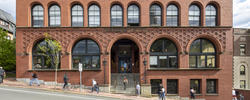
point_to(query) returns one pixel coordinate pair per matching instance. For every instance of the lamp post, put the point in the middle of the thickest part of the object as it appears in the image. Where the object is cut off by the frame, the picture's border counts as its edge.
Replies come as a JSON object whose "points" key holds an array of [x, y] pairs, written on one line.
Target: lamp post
{"points": [[104, 62], [145, 64]]}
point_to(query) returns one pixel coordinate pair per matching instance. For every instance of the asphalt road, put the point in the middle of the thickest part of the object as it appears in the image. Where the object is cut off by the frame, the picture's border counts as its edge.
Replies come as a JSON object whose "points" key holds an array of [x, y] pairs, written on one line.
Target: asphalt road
{"points": [[11, 93]]}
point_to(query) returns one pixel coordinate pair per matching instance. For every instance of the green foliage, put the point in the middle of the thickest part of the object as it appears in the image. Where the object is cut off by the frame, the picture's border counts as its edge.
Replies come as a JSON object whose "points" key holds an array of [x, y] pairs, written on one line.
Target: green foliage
{"points": [[51, 51], [7, 52]]}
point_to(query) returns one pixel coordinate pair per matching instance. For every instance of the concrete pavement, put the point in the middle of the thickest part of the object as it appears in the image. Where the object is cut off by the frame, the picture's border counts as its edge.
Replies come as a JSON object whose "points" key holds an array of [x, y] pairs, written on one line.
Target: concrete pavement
{"points": [[13, 93]]}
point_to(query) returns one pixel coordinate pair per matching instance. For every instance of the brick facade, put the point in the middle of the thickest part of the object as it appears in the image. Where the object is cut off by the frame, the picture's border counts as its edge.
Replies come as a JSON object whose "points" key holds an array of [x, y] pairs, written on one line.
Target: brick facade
{"points": [[143, 36]]}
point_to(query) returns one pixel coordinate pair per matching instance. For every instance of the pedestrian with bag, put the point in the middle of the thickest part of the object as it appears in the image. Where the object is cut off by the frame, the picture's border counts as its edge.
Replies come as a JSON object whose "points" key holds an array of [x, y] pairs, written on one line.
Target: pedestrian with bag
{"points": [[34, 79], [65, 79], [2, 74]]}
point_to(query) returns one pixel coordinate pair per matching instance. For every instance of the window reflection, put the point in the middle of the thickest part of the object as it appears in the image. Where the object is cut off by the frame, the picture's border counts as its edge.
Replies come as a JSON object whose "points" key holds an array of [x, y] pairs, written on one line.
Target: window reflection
{"points": [[86, 52], [202, 54]]}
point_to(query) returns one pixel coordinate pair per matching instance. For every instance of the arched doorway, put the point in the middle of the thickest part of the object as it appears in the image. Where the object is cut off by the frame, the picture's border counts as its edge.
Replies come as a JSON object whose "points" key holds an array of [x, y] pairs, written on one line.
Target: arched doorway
{"points": [[124, 66]]}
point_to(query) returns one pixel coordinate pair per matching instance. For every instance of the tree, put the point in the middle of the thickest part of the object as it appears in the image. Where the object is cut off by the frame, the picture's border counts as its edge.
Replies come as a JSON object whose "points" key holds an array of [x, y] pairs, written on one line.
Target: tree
{"points": [[52, 52], [7, 52]]}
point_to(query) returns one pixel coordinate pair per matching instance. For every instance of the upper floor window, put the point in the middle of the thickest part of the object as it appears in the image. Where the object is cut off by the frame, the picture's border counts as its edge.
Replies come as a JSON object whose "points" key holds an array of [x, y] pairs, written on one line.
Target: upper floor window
{"points": [[37, 16], [243, 84], [163, 54], [40, 61], [77, 15], [54, 16], [87, 52], [211, 15], [94, 16], [172, 15], [202, 54], [133, 15], [155, 15], [116, 15], [242, 49], [194, 15], [242, 70]]}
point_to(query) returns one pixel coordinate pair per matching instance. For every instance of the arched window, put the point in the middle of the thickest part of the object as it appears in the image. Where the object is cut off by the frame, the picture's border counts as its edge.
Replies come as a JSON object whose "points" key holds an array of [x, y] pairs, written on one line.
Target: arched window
{"points": [[202, 54], [116, 15], [155, 15], [40, 61], [77, 15], [94, 16], [163, 54], [87, 52], [133, 15], [172, 15], [54, 16], [211, 15], [242, 70], [37, 16], [194, 15]]}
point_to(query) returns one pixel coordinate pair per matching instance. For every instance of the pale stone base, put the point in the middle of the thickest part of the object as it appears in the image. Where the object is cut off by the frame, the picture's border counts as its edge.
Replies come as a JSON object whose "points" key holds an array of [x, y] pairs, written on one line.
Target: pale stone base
{"points": [[146, 90]]}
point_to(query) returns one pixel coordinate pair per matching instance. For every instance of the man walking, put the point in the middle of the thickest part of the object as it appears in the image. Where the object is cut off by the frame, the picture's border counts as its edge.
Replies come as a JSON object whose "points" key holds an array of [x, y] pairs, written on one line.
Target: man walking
{"points": [[34, 79], [65, 79], [2, 74], [93, 85]]}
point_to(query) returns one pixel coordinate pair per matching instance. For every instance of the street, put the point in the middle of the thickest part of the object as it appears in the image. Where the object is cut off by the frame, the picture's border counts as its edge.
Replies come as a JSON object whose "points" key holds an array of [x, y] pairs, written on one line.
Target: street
{"points": [[12, 93]]}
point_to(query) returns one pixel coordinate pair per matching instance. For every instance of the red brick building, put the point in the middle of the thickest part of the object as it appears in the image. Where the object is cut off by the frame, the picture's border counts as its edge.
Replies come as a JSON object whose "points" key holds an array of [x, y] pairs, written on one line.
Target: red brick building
{"points": [[179, 44]]}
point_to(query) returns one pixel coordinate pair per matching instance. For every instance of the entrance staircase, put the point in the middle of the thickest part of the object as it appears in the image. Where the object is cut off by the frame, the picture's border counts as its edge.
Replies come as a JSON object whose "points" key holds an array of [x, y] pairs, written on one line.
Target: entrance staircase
{"points": [[117, 83]]}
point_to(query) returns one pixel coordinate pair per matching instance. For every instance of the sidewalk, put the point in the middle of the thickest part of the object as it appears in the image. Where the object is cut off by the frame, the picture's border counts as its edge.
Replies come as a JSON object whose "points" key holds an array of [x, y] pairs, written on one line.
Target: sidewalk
{"points": [[14, 83]]}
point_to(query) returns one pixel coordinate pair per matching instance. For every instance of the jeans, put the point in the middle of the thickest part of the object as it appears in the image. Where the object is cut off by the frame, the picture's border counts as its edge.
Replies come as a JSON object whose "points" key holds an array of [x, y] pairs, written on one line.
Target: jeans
{"points": [[65, 84], [34, 80], [1, 78]]}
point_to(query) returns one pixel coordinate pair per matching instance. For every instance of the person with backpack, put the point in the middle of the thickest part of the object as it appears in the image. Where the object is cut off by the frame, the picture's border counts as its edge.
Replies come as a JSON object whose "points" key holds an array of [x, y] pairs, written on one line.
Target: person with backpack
{"points": [[2, 74], [34, 79], [65, 80]]}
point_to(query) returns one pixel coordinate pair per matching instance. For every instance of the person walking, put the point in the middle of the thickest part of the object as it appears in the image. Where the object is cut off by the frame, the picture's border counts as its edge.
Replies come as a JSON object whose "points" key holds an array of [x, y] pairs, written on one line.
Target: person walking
{"points": [[2, 74], [163, 96], [138, 89], [93, 85], [34, 79], [160, 91], [241, 97], [65, 79], [192, 92], [97, 88], [125, 82], [234, 94]]}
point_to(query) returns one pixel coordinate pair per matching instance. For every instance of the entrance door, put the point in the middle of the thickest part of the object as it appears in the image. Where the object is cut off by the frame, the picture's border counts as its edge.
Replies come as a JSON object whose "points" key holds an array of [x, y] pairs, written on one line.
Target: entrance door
{"points": [[124, 65]]}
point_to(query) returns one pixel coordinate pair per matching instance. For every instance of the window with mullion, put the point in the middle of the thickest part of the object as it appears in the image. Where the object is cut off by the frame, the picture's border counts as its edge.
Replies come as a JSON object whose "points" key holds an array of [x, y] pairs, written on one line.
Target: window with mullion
{"points": [[133, 15], [54, 16], [212, 85], [202, 54], [196, 85], [86, 52], [116, 15], [37, 16], [155, 15], [77, 16], [163, 54], [194, 15], [172, 15], [211, 15], [94, 16]]}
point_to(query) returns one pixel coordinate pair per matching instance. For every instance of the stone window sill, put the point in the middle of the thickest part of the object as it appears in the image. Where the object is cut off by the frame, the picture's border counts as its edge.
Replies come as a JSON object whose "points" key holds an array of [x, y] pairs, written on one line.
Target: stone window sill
{"points": [[52, 70], [212, 94], [183, 69]]}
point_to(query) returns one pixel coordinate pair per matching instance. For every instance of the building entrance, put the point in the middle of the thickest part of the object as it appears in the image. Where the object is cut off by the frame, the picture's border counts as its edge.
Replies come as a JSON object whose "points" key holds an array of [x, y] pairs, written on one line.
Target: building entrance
{"points": [[124, 66]]}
